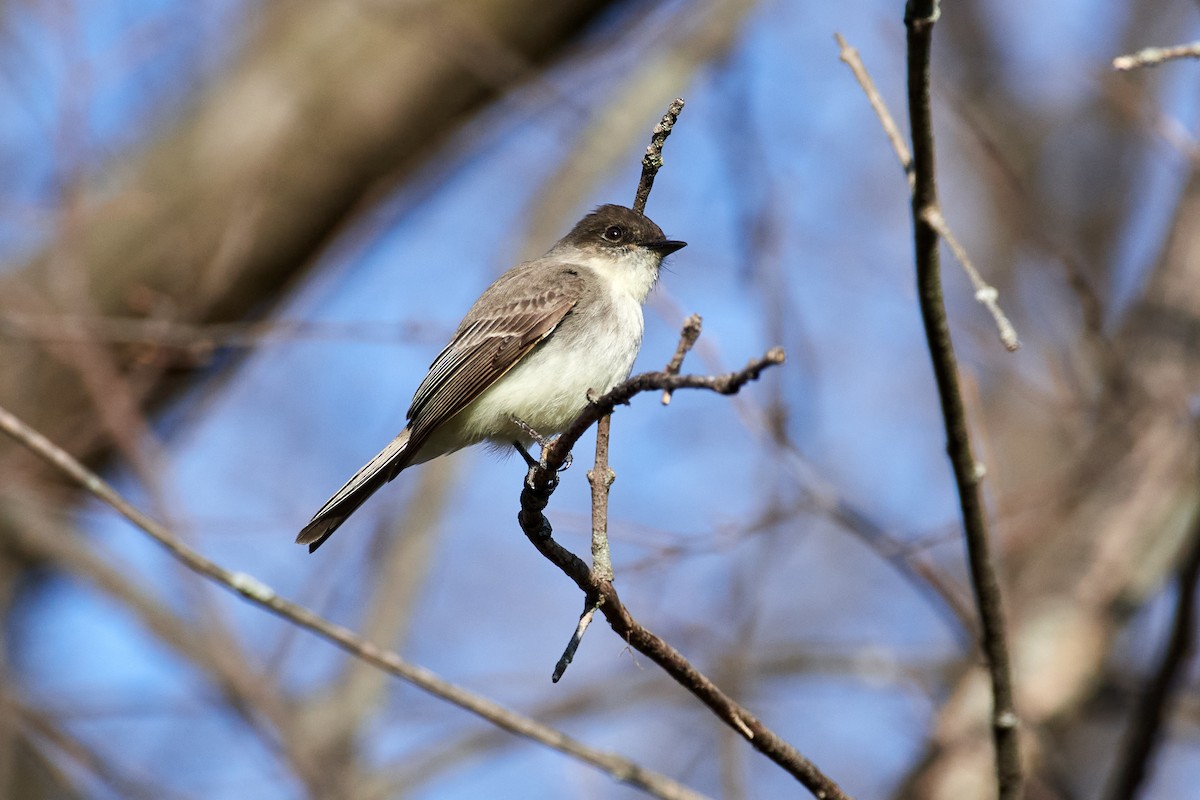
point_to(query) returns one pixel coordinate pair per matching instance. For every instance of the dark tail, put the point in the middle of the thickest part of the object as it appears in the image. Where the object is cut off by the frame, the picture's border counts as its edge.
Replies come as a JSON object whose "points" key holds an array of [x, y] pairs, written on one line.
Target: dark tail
{"points": [[378, 471]]}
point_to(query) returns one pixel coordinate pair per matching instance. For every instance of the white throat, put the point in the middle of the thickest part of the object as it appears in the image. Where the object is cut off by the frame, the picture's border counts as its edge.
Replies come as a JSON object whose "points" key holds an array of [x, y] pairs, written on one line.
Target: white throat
{"points": [[631, 276]]}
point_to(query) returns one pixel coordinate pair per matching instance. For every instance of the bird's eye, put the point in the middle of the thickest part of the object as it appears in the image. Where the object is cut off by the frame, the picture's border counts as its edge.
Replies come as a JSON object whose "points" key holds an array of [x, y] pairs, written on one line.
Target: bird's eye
{"points": [[614, 233]]}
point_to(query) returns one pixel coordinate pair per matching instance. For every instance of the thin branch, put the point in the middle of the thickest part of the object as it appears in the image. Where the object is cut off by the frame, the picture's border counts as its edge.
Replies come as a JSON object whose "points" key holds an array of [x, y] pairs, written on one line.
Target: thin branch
{"points": [[1146, 723], [37, 534], [540, 484], [849, 56], [687, 340], [555, 455], [261, 595], [196, 339], [1153, 56], [601, 476], [86, 758], [591, 604], [985, 294], [652, 162], [919, 19]]}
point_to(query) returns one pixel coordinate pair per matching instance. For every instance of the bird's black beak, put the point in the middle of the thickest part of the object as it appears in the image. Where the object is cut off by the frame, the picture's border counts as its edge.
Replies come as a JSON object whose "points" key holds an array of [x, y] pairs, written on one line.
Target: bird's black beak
{"points": [[665, 247]]}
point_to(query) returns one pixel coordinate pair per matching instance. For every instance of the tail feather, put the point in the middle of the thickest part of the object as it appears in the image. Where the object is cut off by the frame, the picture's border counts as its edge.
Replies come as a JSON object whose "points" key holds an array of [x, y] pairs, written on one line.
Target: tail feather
{"points": [[378, 471]]}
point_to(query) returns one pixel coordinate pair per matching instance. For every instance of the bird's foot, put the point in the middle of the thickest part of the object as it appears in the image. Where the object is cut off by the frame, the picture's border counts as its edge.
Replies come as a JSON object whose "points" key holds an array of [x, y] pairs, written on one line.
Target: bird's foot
{"points": [[542, 441]]}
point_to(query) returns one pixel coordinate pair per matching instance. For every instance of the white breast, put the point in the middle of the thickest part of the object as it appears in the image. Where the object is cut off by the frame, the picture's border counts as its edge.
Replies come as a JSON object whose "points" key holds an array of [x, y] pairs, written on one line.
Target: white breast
{"points": [[549, 387]]}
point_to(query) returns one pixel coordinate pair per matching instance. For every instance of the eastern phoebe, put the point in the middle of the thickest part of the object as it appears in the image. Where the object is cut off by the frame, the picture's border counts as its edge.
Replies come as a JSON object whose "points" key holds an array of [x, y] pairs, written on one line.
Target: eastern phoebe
{"points": [[533, 345]]}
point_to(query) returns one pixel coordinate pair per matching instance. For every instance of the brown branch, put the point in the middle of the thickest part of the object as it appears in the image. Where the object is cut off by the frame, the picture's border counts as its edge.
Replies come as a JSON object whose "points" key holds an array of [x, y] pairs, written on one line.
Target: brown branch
{"points": [[652, 162], [591, 604], [261, 595], [985, 294], [601, 476], [919, 19], [540, 484], [1153, 56], [687, 340], [849, 56], [1146, 722], [147, 337], [35, 532], [555, 455], [44, 726], [253, 215]]}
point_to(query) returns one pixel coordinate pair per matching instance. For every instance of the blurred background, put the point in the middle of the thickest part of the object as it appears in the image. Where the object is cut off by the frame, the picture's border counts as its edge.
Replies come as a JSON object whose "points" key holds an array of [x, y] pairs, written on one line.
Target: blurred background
{"points": [[233, 236]]}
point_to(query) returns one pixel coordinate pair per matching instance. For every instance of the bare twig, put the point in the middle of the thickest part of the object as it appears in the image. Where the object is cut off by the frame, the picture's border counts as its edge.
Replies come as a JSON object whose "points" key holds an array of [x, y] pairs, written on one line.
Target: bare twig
{"points": [[985, 294], [86, 758], [919, 19], [591, 604], [261, 595], [196, 339], [1145, 724], [36, 533], [601, 476], [652, 162], [539, 486], [728, 384], [687, 340], [849, 56], [1153, 56]]}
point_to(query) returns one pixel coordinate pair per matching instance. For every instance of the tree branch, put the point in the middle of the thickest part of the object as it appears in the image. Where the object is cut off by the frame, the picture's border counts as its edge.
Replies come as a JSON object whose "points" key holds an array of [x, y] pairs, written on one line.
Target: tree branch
{"points": [[261, 595], [601, 476], [652, 162], [919, 19], [540, 484], [1145, 724], [1153, 56], [985, 294]]}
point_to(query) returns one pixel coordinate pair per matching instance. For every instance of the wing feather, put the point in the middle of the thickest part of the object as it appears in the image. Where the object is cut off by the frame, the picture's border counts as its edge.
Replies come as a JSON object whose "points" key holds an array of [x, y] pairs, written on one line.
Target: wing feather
{"points": [[486, 347]]}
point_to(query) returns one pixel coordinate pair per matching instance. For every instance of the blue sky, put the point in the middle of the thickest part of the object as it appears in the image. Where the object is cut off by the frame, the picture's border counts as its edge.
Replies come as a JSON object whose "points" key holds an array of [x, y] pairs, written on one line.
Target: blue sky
{"points": [[776, 126]]}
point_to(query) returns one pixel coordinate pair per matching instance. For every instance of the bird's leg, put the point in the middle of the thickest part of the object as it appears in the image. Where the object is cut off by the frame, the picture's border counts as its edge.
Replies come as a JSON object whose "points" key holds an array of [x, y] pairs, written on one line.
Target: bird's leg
{"points": [[543, 442]]}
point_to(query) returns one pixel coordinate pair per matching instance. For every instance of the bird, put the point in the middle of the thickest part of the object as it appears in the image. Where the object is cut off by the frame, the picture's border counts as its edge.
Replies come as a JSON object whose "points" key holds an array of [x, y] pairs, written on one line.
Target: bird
{"points": [[523, 360]]}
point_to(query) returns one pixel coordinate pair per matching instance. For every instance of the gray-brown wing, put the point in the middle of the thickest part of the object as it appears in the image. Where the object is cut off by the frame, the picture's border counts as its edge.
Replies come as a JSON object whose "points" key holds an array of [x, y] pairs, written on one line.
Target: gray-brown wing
{"points": [[487, 345]]}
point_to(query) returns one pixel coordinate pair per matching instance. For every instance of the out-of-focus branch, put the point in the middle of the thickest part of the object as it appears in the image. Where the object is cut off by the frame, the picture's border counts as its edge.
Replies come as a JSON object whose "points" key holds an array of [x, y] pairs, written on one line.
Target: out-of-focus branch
{"points": [[1146, 722], [1153, 56], [919, 19], [985, 294], [37, 536], [540, 484], [44, 727], [261, 595], [211, 221], [692, 37], [163, 339], [330, 722]]}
